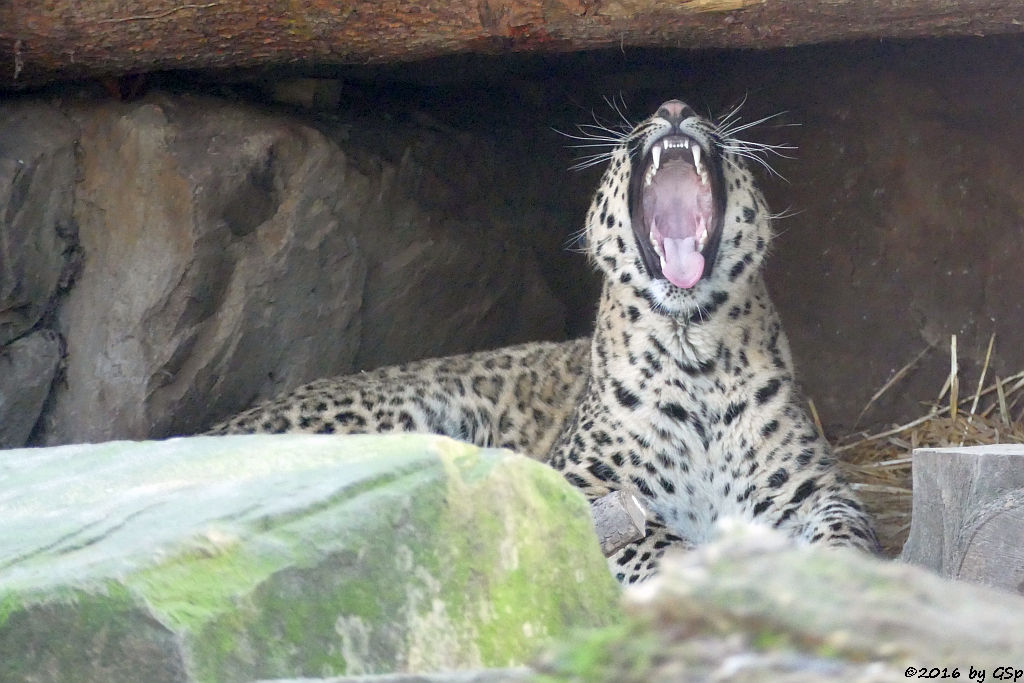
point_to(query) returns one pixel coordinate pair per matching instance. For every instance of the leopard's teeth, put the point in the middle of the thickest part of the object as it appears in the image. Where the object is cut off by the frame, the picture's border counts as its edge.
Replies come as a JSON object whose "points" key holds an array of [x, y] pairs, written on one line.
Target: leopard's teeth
{"points": [[698, 163], [684, 143], [702, 239], [658, 248]]}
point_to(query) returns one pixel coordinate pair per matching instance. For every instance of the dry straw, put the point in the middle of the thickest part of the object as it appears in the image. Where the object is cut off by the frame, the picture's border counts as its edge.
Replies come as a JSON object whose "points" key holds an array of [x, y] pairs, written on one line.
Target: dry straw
{"points": [[880, 464]]}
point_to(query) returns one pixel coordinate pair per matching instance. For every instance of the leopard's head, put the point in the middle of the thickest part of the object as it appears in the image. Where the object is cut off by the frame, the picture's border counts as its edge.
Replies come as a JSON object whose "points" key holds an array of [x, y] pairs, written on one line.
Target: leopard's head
{"points": [[677, 215]]}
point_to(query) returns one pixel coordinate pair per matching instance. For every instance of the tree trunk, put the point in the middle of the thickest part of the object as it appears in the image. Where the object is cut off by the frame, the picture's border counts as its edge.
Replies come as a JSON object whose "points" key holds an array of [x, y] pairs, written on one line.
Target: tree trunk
{"points": [[968, 516], [62, 39]]}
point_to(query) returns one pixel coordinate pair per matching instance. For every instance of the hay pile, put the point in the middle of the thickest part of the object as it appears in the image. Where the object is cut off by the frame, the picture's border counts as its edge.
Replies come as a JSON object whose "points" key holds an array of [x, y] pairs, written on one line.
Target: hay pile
{"points": [[880, 464]]}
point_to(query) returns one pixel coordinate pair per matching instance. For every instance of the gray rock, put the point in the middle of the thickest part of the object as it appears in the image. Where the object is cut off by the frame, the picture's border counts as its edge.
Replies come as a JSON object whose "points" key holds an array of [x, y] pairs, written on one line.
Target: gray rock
{"points": [[220, 266], [231, 254], [37, 173], [754, 607], [27, 368], [237, 558]]}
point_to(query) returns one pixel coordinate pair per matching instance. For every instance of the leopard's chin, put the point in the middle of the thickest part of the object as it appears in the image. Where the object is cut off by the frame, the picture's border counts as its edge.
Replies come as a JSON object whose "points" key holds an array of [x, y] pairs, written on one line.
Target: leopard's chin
{"points": [[692, 305]]}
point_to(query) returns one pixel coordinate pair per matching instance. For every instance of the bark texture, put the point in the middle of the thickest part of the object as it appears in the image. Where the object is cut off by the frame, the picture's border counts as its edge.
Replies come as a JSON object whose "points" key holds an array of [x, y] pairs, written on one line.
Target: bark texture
{"points": [[968, 518], [60, 39]]}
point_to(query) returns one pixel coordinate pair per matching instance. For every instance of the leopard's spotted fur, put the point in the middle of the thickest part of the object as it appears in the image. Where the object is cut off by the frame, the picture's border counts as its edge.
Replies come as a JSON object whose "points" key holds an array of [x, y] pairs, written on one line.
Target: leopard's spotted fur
{"points": [[685, 393], [518, 397]]}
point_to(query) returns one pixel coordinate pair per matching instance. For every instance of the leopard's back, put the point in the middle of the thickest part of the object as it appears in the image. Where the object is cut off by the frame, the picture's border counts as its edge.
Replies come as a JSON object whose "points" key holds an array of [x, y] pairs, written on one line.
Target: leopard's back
{"points": [[515, 397]]}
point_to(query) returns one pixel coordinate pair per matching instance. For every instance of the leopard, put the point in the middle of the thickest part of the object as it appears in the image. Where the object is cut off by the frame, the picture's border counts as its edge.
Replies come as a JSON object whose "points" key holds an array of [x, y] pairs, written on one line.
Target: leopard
{"points": [[684, 395]]}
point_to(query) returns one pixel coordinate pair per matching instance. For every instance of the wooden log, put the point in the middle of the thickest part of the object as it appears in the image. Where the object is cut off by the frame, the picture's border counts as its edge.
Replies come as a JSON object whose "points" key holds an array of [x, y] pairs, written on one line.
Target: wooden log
{"points": [[619, 520], [62, 39], [968, 514]]}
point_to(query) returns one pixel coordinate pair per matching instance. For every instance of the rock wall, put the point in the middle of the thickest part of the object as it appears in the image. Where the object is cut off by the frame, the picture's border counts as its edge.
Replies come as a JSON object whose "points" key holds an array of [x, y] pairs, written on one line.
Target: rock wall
{"points": [[37, 257], [907, 219], [229, 254]]}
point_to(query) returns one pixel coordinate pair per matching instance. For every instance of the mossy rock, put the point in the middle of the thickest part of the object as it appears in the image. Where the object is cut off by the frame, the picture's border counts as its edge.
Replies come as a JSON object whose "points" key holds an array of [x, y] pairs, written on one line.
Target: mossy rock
{"points": [[753, 606], [236, 558]]}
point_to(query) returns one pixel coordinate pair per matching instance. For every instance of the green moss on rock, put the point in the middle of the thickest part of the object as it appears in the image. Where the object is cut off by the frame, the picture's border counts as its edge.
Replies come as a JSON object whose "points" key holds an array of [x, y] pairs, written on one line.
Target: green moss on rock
{"points": [[257, 557]]}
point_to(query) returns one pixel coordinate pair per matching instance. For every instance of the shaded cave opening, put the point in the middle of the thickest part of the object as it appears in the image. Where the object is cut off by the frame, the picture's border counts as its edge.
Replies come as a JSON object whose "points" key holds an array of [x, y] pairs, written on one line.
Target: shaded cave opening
{"points": [[901, 210]]}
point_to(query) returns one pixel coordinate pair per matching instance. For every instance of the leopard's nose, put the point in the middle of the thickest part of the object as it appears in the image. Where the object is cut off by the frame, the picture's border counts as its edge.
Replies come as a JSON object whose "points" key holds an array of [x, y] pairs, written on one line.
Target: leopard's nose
{"points": [[675, 112]]}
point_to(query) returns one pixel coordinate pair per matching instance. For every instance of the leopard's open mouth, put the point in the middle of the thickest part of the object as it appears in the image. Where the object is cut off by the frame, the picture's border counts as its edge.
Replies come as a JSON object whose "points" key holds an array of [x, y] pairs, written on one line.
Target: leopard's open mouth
{"points": [[677, 202]]}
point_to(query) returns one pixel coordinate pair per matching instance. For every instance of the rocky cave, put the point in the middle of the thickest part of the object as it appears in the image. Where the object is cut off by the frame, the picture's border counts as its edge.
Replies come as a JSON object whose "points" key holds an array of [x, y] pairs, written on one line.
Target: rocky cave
{"points": [[179, 245]]}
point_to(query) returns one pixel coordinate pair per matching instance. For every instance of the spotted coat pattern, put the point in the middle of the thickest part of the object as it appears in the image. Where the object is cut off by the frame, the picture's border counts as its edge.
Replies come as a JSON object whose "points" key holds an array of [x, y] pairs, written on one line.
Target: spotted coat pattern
{"points": [[518, 397], [685, 396]]}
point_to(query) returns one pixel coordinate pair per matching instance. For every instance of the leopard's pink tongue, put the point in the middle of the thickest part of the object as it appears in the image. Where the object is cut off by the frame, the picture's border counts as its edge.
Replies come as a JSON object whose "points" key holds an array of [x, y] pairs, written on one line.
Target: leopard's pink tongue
{"points": [[682, 264]]}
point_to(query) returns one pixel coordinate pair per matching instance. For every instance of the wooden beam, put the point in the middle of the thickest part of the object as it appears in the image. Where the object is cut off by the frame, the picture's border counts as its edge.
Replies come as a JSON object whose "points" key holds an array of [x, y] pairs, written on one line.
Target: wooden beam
{"points": [[42, 42]]}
